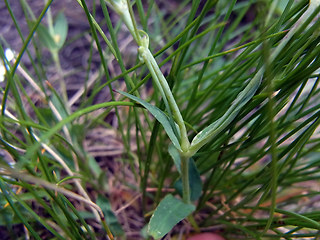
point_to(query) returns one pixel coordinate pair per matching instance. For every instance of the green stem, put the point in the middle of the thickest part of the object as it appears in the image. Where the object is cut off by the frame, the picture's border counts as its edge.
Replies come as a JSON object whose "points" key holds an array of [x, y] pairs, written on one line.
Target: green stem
{"points": [[165, 89], [123, 8], [185, 179], [194, 223], [62, 83]]}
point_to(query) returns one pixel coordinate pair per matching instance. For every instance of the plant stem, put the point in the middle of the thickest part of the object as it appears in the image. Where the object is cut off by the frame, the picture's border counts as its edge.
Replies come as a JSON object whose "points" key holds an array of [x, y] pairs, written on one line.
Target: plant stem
{"points": [[185, 179], [124, 10], [55, 56], [62, 83], [194, 223], [164, 87]]}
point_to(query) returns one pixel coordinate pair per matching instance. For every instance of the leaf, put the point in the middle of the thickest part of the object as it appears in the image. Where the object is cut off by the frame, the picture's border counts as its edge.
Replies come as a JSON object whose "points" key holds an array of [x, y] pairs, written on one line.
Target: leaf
{"points": [[111, 219], [195, 182], [7, 218], [77, 132], [60, 29], [219, 125], [94, 166], [174, 153], [47, 116], [159, 115], [46, 38], [169, 212], [54, 42], [282, 5]]}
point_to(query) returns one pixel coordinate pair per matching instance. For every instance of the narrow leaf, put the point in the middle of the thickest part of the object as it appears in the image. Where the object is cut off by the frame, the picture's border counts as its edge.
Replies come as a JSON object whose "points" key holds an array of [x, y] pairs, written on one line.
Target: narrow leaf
{"points": [[216, 127], [159, 115], [45, 38], [174, 153], [169, 212], [111, 219], [60, 29]]}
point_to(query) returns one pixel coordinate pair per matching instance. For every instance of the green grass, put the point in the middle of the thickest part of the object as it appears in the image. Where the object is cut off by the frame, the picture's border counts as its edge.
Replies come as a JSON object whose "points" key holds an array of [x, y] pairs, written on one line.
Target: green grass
{"points": [[230, 126]]}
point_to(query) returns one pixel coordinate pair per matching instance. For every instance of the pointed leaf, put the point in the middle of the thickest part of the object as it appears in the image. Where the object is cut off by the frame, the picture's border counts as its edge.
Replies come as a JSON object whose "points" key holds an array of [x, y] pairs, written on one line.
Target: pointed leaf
{"points": [[60, 29], [159, 115], [174, 153], [45, 38], [94, 166], [169, 212], [219, 125], [111, 219]]}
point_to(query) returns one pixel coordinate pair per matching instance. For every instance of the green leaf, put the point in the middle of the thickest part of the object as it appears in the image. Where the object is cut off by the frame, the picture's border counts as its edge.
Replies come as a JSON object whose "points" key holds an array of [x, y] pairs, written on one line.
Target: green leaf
{"points": [[174, 153], [47, 116], [282, 5], [54, 42], [169, 212], [195, 182], [94, 166], [219, 125], [60, 29], [76, 131], [46, 38], [159, 115], [111, 219], [7, 217]]}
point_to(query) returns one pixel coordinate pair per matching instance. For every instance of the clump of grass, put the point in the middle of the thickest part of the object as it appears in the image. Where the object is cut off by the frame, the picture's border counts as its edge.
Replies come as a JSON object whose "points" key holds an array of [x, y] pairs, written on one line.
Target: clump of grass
{"points": [[231, 130]]}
